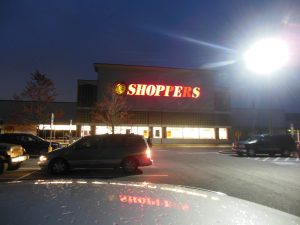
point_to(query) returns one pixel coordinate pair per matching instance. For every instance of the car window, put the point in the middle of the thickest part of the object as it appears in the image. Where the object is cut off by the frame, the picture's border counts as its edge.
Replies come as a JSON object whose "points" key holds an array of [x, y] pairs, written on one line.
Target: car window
{"points": [[135, 141], [7, 137], [31, 139], [24, 138], [267, 139], [88, 143], [113, 141]]}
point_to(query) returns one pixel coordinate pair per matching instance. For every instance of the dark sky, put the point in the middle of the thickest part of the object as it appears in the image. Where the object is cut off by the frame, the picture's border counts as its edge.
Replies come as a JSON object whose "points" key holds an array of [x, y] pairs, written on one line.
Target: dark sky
{"points": [[64, 38]]}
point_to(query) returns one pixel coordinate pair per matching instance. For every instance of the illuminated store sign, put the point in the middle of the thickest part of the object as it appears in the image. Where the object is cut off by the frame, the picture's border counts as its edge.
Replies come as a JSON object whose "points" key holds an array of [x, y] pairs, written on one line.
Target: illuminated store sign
{"points": [[157, 90]]}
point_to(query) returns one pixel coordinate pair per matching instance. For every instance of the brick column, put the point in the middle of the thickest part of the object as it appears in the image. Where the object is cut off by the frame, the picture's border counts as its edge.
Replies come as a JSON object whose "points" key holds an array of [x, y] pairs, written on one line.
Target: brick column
{"points": [[217, 133]]}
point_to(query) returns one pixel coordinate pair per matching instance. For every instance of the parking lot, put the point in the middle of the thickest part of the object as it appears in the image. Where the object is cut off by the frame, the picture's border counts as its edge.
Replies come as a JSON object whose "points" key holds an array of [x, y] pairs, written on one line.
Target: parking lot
{"points": [[271, 181]]}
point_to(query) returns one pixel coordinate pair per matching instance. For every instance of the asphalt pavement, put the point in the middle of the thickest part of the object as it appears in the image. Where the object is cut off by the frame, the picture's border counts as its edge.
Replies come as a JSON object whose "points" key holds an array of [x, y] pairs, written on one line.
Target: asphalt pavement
{"points": [[270, 181]]}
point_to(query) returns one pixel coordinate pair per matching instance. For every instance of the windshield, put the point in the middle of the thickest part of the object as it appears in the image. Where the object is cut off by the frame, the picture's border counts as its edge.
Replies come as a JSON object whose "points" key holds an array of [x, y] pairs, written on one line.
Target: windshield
{"points": [[195, 93]]}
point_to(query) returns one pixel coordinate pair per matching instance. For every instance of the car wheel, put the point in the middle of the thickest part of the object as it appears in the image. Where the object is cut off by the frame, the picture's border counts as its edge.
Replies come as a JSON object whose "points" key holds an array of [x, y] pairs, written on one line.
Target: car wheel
{"points": [[271, 154], [58, 166], [240, 154], [285, 153], [14, 167], [129, 165], [251, 152]]}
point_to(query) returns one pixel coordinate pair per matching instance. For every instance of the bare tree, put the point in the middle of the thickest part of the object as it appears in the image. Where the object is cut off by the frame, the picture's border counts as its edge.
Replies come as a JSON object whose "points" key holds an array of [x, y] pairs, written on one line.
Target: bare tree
{"points": [[37, 94], [111, 110]]}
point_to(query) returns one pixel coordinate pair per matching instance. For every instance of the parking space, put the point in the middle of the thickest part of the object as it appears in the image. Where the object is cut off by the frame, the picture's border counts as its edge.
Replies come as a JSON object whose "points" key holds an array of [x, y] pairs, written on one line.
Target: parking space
{"points": [[276, 159]]}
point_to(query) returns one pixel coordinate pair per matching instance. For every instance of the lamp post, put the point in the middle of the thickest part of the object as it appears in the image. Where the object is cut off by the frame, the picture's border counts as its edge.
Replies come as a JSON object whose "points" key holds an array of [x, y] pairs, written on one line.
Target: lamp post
{"points": [[264, 58]]}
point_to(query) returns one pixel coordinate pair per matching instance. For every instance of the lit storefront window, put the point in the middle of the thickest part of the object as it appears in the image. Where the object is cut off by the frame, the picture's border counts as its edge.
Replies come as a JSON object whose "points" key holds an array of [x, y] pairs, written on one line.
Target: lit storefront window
{"points": [[223, 133], [85, 130], [191, 133], [207, 133], [174, 132], [57, 127], [123, 130], [103, 130], [140, 131]]}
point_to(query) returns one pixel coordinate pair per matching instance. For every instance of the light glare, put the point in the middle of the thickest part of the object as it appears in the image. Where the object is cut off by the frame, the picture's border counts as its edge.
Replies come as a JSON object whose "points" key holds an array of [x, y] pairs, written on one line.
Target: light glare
{"points": [[267, 56]]}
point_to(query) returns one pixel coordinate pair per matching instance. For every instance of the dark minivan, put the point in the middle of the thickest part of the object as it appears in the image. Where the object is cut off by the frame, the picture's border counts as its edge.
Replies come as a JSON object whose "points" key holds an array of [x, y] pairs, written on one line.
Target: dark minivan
{"points": [[33, 145], [100, 151], [282, 144]]}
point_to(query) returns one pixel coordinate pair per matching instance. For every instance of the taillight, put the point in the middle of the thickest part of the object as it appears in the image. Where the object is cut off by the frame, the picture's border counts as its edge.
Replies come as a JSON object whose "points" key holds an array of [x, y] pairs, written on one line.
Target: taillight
{"points": [[148, 153]]}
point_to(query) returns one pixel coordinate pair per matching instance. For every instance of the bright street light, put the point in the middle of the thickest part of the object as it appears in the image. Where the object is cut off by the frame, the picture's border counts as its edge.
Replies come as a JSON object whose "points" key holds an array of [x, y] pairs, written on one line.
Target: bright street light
{"points": [[267, 56]]}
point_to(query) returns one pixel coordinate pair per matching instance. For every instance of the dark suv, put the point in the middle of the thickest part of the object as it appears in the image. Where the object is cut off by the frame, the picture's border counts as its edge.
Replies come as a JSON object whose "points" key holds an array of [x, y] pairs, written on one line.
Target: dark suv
{"points": [[100, 151], [33, 145], [267, 144]]}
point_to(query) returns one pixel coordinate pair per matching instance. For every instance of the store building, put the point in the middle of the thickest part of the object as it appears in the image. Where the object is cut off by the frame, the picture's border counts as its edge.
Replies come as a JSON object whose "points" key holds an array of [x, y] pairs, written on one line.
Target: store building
{"points": [[170, 105]]}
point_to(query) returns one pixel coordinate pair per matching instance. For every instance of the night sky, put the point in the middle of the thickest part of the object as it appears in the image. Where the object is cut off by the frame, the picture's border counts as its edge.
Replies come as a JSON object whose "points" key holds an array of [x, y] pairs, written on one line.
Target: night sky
{"points": [[64, 38]]}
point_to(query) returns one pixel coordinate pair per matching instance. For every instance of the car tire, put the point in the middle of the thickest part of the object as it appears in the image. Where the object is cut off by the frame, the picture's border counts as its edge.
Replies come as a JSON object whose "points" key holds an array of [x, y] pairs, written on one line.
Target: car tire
{"points": [[240, 154], [251, 152], [14, 167], [58, 166], [285, 153], [271, 154], [130, 165]]}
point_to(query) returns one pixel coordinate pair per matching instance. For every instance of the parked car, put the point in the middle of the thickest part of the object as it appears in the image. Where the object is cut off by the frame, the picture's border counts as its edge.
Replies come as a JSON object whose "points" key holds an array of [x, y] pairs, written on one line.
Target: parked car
{"points": [[11, 156], [34, 145], [267, 144], [100, 151]]}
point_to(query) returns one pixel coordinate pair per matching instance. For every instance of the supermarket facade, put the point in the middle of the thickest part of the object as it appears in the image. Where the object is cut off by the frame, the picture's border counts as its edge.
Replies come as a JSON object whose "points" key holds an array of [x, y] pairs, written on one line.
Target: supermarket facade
{"points": [[169, 105]]}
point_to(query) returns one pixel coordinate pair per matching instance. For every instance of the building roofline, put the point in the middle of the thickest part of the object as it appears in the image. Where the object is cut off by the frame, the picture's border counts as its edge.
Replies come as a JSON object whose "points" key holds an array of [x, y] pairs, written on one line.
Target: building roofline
{"points": [[148, 67]]}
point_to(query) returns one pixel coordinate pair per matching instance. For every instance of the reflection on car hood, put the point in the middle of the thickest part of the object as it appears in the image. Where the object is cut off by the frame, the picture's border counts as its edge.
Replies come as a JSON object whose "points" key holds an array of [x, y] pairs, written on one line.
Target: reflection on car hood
{"points": [[99, 202], [247, 142]]}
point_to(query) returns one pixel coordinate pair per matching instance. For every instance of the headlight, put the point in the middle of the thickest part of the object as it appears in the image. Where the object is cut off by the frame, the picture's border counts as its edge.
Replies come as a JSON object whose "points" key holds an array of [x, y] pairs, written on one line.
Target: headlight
{"points": [[43, 158]]}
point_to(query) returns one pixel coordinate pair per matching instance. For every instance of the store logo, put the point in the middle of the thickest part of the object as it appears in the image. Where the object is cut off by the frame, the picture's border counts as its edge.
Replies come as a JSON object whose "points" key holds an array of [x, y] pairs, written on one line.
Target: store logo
{"points": [[120, 88], [158, 90]]}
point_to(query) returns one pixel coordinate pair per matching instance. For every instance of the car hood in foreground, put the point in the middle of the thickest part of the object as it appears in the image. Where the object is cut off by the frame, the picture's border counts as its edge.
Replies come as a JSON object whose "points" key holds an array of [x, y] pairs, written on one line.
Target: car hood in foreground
{"points": [[99, 202]]}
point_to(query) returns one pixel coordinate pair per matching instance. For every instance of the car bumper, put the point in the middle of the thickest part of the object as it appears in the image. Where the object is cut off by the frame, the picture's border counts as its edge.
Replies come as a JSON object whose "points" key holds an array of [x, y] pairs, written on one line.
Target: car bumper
{"points": [[145, 162], [19, 159]]}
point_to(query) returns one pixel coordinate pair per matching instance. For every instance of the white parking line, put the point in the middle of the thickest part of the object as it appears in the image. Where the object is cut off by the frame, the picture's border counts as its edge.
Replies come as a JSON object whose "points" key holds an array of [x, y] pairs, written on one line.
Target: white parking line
{"points": [[26, 175], [287, 159], [29, 168], [196, 153], [256, 158], [266, 159], [276, 159]]}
